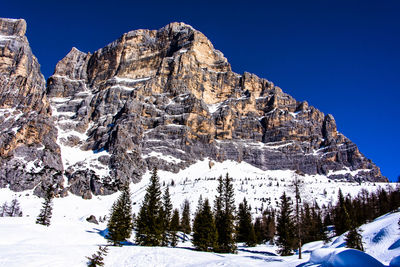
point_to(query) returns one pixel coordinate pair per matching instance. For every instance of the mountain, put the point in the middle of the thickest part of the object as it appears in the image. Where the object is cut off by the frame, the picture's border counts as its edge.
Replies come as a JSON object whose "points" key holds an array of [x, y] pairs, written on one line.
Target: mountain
{"points": [[153, 98], [29, 154]]}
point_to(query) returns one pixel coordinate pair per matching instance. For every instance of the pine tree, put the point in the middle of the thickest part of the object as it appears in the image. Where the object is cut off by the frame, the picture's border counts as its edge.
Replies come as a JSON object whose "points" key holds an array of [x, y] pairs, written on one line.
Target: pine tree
{"points": [[120, 224], [47, 208], [354, 239], [297, 187], [14, 210], [339, 219], [4, 210], [204, 230], [259, 230], [271, 226], [224, 215], [185, 220], [174, 227], [149, 220], [285, 228], [97, 258], [166, 217], [319, 225], [245, 228]]}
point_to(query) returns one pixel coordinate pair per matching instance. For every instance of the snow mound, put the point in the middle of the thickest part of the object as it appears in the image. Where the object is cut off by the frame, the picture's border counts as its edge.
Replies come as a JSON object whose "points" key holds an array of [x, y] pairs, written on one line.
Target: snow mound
{"points": [[381, 238], [395, 262], [343, 258], [352, 257], [321, 255]]}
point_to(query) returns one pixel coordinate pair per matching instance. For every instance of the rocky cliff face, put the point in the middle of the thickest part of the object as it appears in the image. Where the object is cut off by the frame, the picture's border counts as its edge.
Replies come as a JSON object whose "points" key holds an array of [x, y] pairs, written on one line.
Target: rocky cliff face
{"points": [[167, 98], [29, 155]]}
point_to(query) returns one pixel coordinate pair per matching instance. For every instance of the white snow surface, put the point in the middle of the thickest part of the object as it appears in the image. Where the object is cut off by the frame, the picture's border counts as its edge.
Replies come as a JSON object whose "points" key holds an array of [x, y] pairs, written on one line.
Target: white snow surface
{"points": [[69, 239]]}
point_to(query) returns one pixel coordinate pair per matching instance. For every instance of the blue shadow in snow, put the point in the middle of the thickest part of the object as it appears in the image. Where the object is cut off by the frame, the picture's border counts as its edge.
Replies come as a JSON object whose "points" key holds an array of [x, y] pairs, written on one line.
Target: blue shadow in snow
{"points": [[395, 245], [266, 253], [104, 234]]}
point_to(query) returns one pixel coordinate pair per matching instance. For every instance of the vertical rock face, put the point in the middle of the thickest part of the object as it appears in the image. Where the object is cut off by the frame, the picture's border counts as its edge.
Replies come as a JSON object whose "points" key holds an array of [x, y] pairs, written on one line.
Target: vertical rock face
{"points": [[167, 98], [29, 155], [162, 98]]}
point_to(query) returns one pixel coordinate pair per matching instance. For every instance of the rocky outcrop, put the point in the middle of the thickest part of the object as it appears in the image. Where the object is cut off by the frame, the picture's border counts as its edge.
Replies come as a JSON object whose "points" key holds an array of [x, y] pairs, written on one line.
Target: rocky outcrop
{"points": [[29, 155], [162, 98], [167, 98]]}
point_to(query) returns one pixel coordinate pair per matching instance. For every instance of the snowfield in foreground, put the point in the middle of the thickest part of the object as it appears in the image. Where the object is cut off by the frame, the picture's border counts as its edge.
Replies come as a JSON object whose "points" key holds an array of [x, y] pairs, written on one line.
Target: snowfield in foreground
{"points": [[70, 238], [67, 243]]}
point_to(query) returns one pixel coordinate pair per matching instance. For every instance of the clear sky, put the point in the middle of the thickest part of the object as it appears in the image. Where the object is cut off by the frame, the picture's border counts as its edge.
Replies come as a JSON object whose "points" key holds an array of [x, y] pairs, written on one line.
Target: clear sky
{"points": [[343, 57]]}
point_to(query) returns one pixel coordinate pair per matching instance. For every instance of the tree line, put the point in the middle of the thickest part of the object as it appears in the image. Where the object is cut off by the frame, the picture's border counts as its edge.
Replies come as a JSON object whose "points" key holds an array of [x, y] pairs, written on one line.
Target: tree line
{"points": [[12, 210], [219, 227]]}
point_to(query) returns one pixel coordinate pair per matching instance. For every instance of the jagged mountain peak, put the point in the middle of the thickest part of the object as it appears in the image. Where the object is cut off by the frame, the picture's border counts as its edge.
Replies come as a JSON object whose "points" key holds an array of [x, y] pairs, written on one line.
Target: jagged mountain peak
{"points": [[12, 27], [167, 98]]}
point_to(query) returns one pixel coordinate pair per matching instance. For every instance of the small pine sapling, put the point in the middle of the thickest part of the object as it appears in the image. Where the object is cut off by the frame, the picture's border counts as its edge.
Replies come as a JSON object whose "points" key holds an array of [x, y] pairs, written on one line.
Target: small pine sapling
{"points": [[97, 259]]}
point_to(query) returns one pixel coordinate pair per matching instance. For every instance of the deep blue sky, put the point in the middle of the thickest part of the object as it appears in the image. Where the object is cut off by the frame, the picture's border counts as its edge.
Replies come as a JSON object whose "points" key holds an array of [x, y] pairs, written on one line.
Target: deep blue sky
{"points": [[343, 57]]}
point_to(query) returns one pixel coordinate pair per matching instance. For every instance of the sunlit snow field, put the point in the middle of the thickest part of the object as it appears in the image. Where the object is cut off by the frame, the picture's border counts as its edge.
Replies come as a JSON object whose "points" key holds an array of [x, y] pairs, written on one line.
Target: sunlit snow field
{"points": [[70, 238]]}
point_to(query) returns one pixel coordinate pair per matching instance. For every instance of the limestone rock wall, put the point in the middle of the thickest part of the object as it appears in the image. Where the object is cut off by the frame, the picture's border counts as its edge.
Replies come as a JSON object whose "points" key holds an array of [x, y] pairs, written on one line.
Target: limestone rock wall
{"points": [[164, 98], [167, 98], [29, 155]]}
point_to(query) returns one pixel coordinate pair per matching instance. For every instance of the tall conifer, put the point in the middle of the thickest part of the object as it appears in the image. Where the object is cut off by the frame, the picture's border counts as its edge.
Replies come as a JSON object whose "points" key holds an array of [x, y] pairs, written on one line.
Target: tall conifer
{"points": [[149, 220], [120, 224], [245, 228], [224, 215], [166, 217], [185, 220], [174, 228], [204, 229], [47, 208], [285, 227]]}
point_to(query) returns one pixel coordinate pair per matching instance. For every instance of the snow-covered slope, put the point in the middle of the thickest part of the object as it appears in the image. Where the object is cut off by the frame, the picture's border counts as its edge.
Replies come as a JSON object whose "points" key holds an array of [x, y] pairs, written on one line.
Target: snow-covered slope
{"points": [[381, 238], [70, 238]]}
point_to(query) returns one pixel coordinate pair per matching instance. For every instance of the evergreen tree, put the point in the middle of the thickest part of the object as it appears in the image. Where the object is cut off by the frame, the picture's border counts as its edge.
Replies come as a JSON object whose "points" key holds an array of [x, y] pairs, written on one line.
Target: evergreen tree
{"points": [[297, 185], [339, 219], [4, 210], [307, 224], [174, 227], [47, 208], [120, 224], [354, 239], [271, 226], [320, 230], [204, 230], [166, 217], [259, 230], [264, 227], [14, 210], [149, 222], [245, 228], [224, 215], [97, 258], [285, 228], [185, 220]]}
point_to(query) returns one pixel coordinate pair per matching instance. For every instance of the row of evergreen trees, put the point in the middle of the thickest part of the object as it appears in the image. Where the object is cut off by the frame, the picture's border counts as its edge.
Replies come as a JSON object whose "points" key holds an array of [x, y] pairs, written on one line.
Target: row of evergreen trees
{"points": [[219, 228], [215, 230], [352, 212], [346, 216], [14, 210], [156, 224]]}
